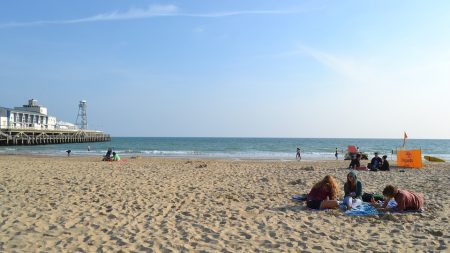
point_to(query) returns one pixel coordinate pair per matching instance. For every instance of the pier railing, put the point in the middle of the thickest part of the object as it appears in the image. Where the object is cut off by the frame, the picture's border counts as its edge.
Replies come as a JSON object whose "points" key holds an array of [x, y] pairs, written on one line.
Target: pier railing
{"points": [[14, 136]]}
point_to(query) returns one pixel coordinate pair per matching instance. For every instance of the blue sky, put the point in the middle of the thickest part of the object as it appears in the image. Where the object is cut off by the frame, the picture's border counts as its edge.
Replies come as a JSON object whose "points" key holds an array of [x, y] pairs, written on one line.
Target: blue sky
{"points": [[233, 68]]}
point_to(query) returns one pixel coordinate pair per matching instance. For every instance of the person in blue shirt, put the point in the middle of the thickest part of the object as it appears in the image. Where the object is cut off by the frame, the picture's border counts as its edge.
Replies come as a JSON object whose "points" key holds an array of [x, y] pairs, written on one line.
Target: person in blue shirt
{"points": [[375, 163]]}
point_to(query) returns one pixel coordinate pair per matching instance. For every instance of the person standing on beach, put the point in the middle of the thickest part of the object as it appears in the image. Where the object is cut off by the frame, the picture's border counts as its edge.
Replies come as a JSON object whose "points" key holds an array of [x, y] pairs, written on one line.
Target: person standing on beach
{"points": [[68, 152], [298, 156], [336, 154]]}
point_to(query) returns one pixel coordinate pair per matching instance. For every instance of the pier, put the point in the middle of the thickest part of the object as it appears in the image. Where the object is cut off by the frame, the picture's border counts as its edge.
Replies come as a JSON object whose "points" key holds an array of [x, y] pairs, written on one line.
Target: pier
{"points": [[14, 136]]}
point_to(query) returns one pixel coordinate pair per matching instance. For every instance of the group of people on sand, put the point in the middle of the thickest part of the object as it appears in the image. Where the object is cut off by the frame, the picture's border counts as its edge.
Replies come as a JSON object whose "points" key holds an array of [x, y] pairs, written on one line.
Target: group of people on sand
{"points": [[111, 156], [375, 164], [323, 195]]}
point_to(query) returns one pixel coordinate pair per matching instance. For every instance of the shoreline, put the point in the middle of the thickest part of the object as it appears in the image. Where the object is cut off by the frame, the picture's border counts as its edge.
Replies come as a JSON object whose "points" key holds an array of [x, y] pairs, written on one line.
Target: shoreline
{"points": [[190, 158], [132, 157]]}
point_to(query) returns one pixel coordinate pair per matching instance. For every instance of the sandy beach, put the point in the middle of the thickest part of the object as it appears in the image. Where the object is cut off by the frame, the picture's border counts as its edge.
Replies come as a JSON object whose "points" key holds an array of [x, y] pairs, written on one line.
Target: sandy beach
{"points": [[80, 204]]}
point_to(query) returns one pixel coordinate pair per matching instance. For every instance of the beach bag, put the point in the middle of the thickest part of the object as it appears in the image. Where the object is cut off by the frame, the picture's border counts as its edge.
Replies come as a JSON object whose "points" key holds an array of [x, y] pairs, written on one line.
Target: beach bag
{"points": [[378, 197], [367, 197]]}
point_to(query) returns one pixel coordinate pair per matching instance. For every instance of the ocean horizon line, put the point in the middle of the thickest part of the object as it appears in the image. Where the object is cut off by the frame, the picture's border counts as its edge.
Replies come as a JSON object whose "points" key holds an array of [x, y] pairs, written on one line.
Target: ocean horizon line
{"points": [[244, 137]]}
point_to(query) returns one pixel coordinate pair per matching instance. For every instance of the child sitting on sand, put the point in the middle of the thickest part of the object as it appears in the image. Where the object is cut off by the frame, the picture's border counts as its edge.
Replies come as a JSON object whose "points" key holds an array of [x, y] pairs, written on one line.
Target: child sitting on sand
{"points": [[115, 157], [406, 201], [352, 189], [323, 194]]}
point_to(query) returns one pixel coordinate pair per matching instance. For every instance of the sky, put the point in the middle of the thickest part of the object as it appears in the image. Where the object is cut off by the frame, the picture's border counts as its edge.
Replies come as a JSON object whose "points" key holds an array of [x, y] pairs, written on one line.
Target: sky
{"points": [[338, 69]]}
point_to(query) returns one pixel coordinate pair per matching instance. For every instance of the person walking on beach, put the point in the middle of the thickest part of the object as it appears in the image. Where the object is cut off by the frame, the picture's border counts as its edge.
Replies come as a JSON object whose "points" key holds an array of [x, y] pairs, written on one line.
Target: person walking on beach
{"points": [[298, 156], [336, 153], [68, 152]]}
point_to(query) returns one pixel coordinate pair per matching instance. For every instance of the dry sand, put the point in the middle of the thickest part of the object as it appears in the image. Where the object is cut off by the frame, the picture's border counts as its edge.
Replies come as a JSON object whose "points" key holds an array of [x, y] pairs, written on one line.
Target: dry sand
{"points": [[80, 204]]}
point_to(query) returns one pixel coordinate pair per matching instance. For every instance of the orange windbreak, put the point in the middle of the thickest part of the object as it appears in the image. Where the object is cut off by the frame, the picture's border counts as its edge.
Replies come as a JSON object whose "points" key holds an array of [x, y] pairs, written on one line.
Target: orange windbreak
{"points": [[409, 158]]}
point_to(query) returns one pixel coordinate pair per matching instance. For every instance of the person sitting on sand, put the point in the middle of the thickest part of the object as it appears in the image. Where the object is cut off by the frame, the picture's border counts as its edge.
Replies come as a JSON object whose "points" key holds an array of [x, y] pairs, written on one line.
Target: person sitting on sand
{"points": [[115, 157], [406, 201], [352, 189], [323, 194], [355, 162], [107, 157], [375, 163], [385, 164]]}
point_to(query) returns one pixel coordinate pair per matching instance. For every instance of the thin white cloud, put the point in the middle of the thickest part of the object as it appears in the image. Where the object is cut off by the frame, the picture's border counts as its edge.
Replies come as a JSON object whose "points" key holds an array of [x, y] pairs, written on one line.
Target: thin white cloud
{"points": [[351, 69], [150, 12], [388, 71], [199, 29], [382, 95]]}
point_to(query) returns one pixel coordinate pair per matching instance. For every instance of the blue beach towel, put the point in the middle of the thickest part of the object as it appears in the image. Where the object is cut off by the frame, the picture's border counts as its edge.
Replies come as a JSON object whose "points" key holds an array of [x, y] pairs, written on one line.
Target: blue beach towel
{"points": [[299, 198], [364, 209]]}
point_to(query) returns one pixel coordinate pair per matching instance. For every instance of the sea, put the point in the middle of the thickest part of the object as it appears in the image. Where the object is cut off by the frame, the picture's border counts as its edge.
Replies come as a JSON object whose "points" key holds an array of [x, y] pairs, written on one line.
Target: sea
{"points": [[236, 148]]}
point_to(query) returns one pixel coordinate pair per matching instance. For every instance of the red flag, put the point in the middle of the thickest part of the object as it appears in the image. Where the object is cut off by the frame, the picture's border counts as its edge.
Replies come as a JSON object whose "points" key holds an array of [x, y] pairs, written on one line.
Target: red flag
{"points": [[405, 136]]}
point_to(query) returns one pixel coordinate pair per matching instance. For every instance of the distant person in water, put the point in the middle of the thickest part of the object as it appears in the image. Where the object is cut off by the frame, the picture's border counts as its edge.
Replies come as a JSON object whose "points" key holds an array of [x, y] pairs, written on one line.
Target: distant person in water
{"points": [[298, 156], [89, 148], [323, 194], [115, 157], [336, 153], [68, 152]]}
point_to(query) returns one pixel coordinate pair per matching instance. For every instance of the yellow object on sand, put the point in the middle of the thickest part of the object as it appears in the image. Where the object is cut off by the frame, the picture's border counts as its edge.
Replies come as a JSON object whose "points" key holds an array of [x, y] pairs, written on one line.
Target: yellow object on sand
{"points": [[433, 159]]}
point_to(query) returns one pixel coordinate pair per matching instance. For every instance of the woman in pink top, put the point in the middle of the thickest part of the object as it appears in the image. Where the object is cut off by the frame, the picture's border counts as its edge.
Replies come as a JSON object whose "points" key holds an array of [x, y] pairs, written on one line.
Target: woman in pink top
{"points": [[406, 201]]}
